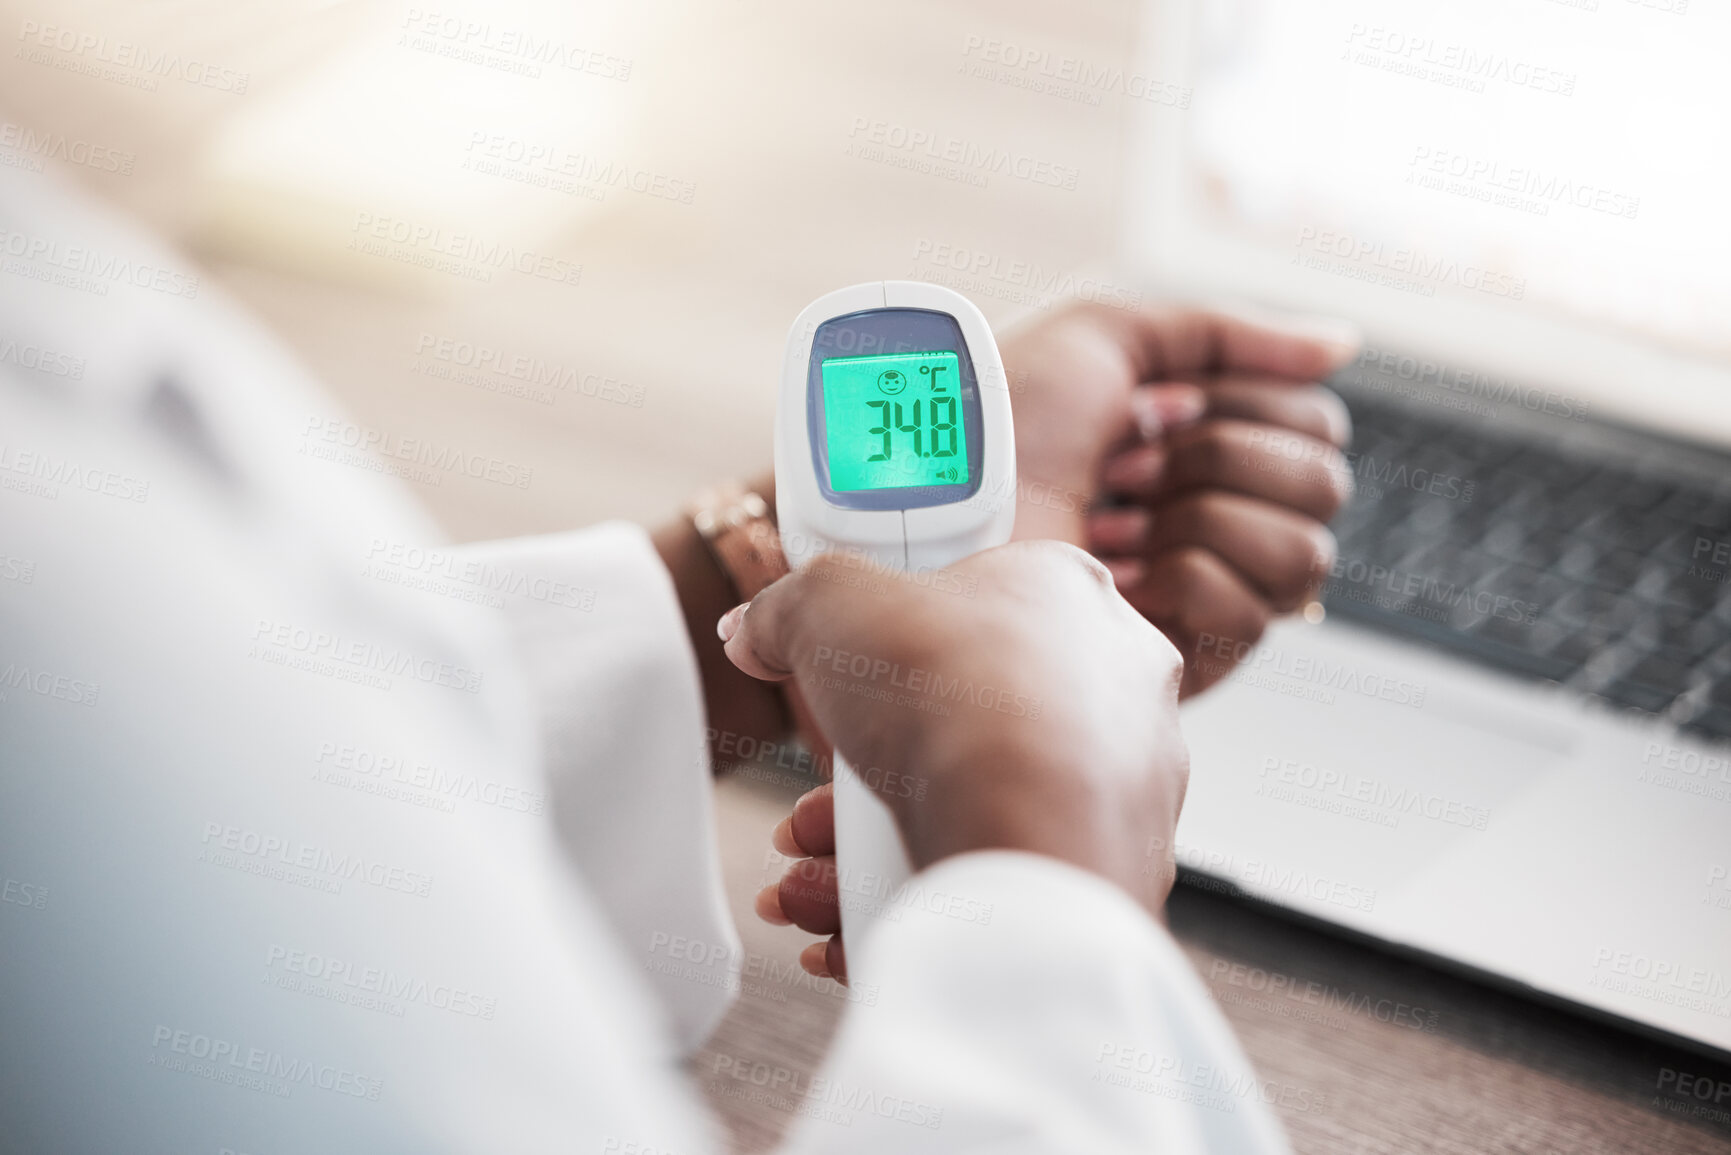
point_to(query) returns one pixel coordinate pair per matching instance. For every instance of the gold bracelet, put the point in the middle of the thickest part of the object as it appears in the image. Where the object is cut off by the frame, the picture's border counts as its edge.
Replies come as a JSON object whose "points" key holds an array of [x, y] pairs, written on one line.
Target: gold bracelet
{"points": [[735, 523]]}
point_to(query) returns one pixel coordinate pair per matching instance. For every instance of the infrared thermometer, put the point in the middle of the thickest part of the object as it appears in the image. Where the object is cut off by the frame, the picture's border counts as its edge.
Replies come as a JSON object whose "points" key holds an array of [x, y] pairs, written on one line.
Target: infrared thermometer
{"points": [[893, 447]]}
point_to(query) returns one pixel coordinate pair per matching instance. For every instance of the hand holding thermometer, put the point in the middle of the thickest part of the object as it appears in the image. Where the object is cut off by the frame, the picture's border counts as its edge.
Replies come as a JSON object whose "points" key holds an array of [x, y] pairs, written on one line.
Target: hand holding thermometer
{"points": [[893, 443]]}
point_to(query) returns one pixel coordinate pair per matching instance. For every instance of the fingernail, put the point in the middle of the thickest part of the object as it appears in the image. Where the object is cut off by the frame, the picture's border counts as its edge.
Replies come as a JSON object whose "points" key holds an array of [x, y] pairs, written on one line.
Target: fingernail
{"points": [[1119, 530], [1135, 471], [768, 905], [729, 623], [813, 959], [1162, 407], [1343, 352], [1126, 571], [1340, 338], [1147, 415], [782, 839]]}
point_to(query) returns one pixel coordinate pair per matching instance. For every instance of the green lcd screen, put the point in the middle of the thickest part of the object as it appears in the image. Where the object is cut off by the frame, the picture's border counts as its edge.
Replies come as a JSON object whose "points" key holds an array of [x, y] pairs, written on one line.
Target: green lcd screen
{"points": [[894, 421]]}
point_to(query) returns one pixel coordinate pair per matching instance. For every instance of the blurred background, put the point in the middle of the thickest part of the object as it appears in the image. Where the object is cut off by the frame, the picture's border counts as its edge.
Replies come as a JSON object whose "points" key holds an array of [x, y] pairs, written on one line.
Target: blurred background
{"points": [[678, 179]]}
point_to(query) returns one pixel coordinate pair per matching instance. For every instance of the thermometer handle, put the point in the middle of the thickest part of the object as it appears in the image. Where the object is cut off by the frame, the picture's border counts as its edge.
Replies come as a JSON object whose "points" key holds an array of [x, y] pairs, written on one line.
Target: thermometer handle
{"points": [[871, 860], [939, 524]]}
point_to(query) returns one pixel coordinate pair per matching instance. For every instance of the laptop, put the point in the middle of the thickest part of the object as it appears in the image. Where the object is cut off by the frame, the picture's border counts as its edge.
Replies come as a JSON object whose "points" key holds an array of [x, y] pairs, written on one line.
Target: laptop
{"points": [[1506, 744]]}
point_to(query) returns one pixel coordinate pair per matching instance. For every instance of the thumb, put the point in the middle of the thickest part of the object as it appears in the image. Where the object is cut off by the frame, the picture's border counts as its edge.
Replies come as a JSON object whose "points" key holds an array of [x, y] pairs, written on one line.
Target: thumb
{"points": [[755, 634]]}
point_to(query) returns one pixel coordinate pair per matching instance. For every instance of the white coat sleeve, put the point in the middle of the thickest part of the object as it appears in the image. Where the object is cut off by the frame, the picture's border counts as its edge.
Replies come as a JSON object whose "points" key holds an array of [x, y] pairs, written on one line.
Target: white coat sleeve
{"points": [[1027, 1006], [601, 638]]}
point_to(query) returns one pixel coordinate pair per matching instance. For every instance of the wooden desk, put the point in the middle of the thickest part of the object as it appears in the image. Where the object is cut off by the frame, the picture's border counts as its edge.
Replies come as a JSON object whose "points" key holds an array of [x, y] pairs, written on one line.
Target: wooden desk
{"points": [[1360, 1052]]}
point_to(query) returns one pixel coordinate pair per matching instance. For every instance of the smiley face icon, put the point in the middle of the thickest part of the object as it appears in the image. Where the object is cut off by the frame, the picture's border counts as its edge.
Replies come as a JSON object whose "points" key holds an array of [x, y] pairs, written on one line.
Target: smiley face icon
{"points": [[891, 382]]}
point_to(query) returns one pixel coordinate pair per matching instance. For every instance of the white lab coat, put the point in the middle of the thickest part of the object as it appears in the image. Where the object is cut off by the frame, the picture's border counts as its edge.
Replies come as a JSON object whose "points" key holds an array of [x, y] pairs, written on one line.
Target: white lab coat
{"points": [[315, 837]]}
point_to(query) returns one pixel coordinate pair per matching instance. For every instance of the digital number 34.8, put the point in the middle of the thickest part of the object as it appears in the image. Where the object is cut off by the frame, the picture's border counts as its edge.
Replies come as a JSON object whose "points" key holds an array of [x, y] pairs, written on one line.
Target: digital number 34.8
{"points": [[941, 427]]}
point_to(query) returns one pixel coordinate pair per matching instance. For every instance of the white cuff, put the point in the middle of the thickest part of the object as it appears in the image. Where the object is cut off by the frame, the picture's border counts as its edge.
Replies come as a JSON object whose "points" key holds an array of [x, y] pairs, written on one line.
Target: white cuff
{"points": [[1025, 1005], [602, 639]]}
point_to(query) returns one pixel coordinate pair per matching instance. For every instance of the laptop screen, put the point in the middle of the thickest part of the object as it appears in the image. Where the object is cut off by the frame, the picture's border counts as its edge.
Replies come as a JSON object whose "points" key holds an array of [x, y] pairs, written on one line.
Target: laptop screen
{"points": [[1561, 159]]}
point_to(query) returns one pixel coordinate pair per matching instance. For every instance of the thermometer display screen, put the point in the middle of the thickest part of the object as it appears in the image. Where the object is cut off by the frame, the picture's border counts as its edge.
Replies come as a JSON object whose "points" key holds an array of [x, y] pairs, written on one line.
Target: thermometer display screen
{"points": [[894, 421]]}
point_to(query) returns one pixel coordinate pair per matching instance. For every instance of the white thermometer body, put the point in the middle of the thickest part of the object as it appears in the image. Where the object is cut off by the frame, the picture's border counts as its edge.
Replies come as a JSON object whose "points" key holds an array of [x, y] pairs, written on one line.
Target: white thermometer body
{"points": [[893, 446]]}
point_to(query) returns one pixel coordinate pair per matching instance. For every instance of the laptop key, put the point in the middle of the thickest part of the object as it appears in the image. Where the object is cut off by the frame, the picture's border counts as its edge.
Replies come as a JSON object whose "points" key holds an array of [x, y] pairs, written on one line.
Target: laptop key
{"points": [[1645, 493], [1713, 719], [1543, 550], [1538, 588], [1508, 631], [1697, 506], [1694, 545], [1618, 569], [1556, 471], [1719, 692], [1690, 635], [1651, 684], [1579, 559], [1714, 722], [1630, 529], [1698, 594], [1593, 495], [1598, 609], [1576, 648]]}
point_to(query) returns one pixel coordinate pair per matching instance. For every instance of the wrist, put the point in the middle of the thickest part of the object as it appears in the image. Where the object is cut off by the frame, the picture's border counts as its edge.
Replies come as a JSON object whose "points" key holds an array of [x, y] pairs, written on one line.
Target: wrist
{"points": [[1040, 806], [735, 703], [1052, 508]]}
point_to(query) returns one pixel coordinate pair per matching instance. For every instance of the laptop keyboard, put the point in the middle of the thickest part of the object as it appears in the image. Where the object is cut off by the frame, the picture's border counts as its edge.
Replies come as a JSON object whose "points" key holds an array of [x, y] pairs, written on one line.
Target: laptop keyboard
{"points": [[1539, 561]]}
